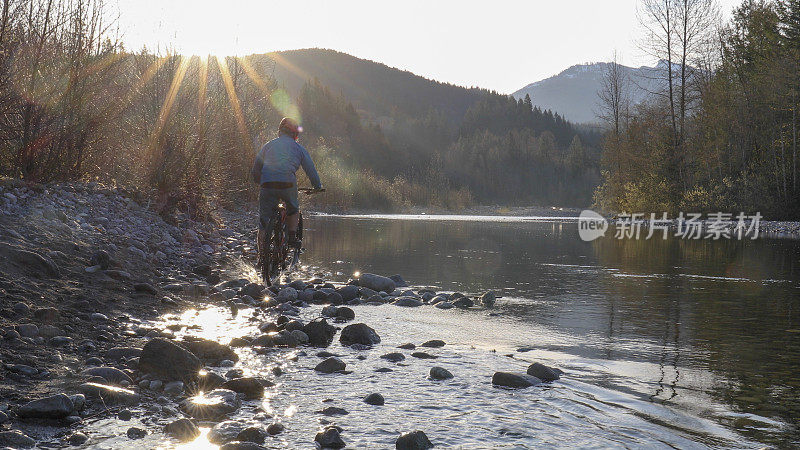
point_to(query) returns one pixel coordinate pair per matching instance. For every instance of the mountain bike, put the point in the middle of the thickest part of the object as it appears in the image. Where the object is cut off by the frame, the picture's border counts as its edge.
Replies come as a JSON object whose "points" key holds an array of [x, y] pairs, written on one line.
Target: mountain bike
{"points": [[274, 254]]}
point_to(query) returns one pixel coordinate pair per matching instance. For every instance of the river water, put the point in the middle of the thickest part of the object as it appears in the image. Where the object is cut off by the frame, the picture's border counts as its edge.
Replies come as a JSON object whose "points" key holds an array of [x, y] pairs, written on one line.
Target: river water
{"points": [[664, 343]]}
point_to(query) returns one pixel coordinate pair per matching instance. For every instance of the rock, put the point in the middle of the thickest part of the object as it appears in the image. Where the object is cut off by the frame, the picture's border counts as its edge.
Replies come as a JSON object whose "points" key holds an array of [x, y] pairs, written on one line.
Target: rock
{"points": [[463, 302], [156, 385], [488, 299], [22, 369], [320, 333], [330, 365], [116, 353], [287, 294], [110, 374], [416, 440], [434, 343], [225, 431], [252, 434], [398, 281], [3, 417], [345, 313], [78, 401], [174, 388], [98, 317], [542, 372], [48, 315], [301, 336], [119, 275], [407, 346], [40, 265], [440, 373], [28, 330], [334, 411], [145, 288], [249, 386], [136, 433], [329, 438], [423, 355], [374, 399], [211, 405], [444, 305], [60, 341], [125, 415], [53, 407], [394, 357], [275, 428], [109, 394], [239, 445], [183, 430], [330, 311], [514, 380], [77, 439], [21, 308], [376, 282], [162, 357], [16, 439], [208, 381], [408, 302], [100, 258], [348, 292], [208, 350], [359, 333]]}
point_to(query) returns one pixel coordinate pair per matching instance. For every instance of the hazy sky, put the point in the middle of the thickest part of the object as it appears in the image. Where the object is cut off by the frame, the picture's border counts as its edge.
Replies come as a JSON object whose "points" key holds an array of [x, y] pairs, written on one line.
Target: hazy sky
{"points": [[500, 44]]}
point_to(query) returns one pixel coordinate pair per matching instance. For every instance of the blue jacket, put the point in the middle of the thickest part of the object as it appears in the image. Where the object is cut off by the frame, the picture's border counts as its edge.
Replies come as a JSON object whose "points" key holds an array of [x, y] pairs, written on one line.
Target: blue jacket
{"points": [[279, 159]]}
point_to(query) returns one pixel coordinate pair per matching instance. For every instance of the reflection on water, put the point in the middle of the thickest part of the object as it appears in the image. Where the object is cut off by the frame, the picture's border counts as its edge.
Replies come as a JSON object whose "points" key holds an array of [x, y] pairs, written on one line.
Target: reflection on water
{"points": [[708, 327]]}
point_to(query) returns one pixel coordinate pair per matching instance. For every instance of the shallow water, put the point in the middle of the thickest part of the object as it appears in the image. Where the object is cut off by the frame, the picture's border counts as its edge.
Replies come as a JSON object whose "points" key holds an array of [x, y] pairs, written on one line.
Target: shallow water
{"points": [[688, 344]]}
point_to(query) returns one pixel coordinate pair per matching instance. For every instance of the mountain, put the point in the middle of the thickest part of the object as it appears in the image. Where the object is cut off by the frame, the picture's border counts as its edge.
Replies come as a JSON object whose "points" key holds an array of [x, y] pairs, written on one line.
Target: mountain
{"points": [[573, 92]]}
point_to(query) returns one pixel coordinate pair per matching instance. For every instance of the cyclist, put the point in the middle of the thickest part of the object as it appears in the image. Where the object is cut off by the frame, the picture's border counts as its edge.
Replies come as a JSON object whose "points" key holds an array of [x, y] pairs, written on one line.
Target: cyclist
{"points": [[274, 169]]}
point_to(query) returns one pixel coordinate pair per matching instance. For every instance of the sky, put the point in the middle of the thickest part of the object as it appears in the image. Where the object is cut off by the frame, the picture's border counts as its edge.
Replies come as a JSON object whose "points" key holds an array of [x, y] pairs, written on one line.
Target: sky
{"points": [[501, 45]]}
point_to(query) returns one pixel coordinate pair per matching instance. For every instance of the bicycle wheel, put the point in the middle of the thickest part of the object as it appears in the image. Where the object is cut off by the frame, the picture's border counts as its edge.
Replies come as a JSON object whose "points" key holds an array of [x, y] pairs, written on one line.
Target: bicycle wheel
{"points": [[294, 255]]}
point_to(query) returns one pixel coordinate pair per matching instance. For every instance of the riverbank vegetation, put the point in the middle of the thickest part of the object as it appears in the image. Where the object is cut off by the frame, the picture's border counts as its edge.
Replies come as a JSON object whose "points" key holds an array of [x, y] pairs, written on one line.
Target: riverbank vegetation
{"points": [[722, 133]]}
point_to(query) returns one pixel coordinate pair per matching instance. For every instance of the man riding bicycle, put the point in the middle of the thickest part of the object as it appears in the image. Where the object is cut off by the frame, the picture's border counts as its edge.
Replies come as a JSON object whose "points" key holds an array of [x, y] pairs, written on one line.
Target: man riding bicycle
{"points": [[274, 169]]}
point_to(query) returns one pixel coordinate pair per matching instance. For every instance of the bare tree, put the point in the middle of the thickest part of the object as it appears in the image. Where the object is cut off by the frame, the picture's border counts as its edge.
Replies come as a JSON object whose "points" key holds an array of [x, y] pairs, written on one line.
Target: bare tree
{"points": [[614, 97]]}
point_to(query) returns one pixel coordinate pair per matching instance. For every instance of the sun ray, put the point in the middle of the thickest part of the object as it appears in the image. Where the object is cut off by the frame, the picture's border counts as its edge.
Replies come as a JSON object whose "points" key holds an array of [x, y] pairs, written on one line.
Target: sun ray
{"points": [[233, 99], [163, 115], [253, 75]]}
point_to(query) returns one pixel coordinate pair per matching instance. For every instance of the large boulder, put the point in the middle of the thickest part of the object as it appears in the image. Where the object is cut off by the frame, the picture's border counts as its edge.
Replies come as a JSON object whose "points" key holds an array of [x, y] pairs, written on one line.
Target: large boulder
{"points": [[440, 373], [416, 440], [329, 438], [488, 299], [53, 407], [348, 292], [212, 405], [514, 380], [359, 333], [543, 372], [376, 282], [320, 333], [168, 359], [209, 351]]}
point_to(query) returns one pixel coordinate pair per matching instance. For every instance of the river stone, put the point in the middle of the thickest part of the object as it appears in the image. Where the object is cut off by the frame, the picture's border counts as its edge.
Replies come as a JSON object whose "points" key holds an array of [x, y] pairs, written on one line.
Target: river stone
{"points": [[330, 365], [123, 352], [444, 305], [16, 439], [208, 381], [542, 372], [423, 355], [329, 438], [376, 282], [334, 411], [434, 343], [416, 440], [300, 336], [211, 405], [348, 292], [398, 281], [136, 433], [208, 350], [374, 399], [40, 265], [100, 258], [359, 333], [488, 299], [109, 394], [394, 357], [329, 311], [183, 430], [225, 431], [239, 445], [252, 434], [145, 288], [174, 388], [440, 373], [249, 386], [166, 358], [407, 346], [77, 439], [345, 313], [110, 374], [275, 428], [463, 302], [28, 330], [320, 333], [53, 407], [409, 302], [514, 380]]}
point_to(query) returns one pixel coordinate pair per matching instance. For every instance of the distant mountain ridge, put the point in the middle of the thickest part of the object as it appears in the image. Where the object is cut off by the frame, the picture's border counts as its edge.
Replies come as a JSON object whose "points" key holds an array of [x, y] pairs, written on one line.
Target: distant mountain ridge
{"points": [[573, 92]]}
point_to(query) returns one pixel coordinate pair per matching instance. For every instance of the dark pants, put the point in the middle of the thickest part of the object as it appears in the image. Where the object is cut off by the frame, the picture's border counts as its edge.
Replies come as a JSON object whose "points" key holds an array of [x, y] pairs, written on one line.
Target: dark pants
{"points": [[268, 199]]}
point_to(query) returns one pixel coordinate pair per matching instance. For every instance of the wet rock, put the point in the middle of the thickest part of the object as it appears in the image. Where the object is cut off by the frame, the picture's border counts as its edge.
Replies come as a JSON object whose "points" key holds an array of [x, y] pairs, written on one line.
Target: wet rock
{"points": [[440, 373], [116, 353], [345, 313], [408, 302], [334, 411], [239, 445], [348, 292], [136, 433], [109, 394], [407, 346], [78, 401], [275, 428], [212, 405], [252, 434], [329, 311], [209, 351], [434, 343], [208, 381], [183, 430], [398, 281], [225, 431], [254, 290], [376, 282], [53, 407], [542, 372], [287, 294], [463, 302], [110, 374], [383, 370], [249, 386], [444, 305], [456, 296], [359, 333], [416, 440], [374, 399], [239, 342], [174, 388], [145, 288], [394, 357], [423, 355], [162, 357], [76, 439], [514, 380], [330, 365], [488, 299], [125, 415], [15, 439], [320, 333], [329, 438]]}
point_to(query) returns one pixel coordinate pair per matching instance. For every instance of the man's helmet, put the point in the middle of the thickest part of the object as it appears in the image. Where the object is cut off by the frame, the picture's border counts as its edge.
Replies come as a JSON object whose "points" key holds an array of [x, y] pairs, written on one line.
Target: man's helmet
{"points": [[290, 127]]}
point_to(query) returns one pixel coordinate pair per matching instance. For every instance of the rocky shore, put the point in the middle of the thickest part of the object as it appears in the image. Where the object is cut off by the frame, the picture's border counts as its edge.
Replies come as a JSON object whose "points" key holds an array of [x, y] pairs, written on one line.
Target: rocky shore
{"points": [[93, 283]]}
